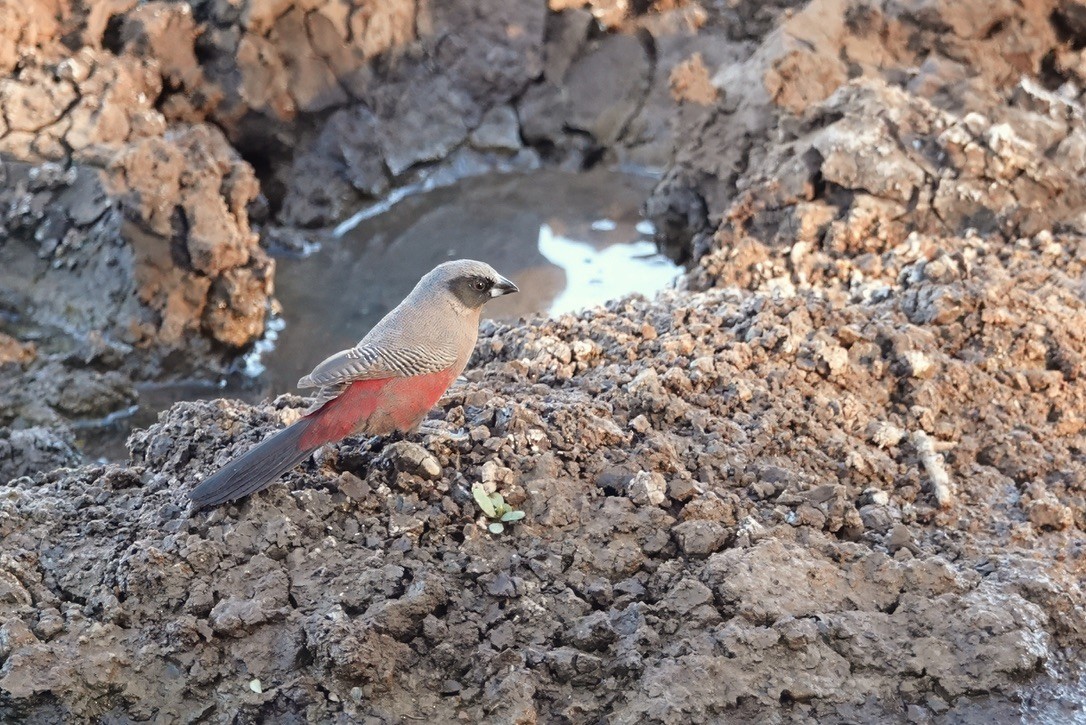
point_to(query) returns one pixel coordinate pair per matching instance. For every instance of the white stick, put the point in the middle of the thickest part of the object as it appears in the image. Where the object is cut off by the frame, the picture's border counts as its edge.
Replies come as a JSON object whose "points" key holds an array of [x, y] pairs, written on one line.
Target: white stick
{"points": [[933, 464]]}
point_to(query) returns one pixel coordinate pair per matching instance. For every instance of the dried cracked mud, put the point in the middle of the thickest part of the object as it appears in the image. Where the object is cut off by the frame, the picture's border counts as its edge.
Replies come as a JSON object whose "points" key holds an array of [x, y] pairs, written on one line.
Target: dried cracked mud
{"points": [[837, 475]]}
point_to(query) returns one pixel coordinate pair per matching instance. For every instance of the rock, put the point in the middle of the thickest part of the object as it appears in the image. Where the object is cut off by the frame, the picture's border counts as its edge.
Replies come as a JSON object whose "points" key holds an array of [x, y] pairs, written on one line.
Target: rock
{"points": [[13, 592], [690, 82], [647, 489], [900, 538], [1050, 515], [877, 518], [49, 624], [498, 130], [412, 458], [35, 450], [353, 486], [423, 126], [699, 537], [567, 32], [345, 162], [592, 632], [312, 83], [14, 634], [918, 365], [1045, 511], [875, 496], [505, 586], [606, 85], [168, 34], [682, 489], [13, 351], [356, 134], [688, 596], [120, 264], [542, 111]]}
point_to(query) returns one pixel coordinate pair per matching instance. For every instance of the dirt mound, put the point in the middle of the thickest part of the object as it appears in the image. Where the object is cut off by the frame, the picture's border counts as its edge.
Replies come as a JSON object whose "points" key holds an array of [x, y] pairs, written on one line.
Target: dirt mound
{"points": [[726, 483], [884, 118]]}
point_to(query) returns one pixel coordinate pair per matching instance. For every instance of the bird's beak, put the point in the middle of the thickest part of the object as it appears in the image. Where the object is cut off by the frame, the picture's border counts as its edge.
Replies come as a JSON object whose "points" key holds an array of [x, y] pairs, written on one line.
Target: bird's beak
{"points": [[503, 287]]}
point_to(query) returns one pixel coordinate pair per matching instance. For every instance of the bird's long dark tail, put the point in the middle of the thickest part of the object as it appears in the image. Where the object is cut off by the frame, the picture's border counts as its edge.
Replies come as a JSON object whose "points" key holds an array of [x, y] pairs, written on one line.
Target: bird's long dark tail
{"points": [[257, 469]]}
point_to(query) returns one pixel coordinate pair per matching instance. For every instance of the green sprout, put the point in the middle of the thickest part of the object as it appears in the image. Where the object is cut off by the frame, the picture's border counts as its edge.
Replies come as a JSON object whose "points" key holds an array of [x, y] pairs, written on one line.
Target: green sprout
{"points": [[495, 507]]}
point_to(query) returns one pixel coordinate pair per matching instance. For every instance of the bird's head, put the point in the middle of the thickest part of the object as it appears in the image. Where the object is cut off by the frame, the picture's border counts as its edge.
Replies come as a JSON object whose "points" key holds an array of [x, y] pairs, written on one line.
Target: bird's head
{"points": [[471, 284]]}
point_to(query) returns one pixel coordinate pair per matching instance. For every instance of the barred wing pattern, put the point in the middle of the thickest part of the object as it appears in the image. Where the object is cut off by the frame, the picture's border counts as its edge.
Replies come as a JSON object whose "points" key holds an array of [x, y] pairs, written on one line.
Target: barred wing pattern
{"points": [[370, 362]]}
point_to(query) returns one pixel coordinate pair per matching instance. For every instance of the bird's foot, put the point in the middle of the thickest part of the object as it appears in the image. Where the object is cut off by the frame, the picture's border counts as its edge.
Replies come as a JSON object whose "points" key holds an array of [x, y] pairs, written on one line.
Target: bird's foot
{"points": [[440, 430]]}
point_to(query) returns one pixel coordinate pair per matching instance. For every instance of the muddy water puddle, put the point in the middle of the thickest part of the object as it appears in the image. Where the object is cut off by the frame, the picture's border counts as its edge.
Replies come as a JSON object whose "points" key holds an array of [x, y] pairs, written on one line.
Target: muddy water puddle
{"points": [[569, 241]]}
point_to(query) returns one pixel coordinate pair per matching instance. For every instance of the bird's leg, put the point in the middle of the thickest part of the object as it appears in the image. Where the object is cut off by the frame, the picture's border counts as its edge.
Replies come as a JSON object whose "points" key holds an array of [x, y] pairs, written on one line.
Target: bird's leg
{"points": [[436, 428]]}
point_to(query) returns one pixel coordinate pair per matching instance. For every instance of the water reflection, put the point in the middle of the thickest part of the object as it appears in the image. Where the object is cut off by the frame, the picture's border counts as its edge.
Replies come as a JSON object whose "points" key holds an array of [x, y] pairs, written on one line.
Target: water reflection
{"points": [[595, 273]]}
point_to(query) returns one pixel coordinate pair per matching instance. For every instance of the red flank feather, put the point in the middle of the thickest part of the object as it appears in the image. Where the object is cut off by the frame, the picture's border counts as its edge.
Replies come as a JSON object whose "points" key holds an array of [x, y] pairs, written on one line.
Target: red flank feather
{"points": [[377, 407]]}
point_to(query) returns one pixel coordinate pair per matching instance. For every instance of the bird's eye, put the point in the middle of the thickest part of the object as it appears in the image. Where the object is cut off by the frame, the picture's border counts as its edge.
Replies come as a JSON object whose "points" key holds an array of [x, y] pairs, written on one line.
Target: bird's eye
{"points": [[479, 285]]}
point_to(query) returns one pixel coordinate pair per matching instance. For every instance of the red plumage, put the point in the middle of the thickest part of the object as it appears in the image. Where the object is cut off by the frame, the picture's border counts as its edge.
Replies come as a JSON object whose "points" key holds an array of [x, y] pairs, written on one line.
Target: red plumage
{"points": [[378, 407]]}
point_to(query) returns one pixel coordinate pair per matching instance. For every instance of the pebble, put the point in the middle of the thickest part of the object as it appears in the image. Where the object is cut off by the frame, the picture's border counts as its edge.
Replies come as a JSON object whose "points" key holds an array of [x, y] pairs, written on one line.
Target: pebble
{"points": [[647, 489], [699, 537], [412, 458]]}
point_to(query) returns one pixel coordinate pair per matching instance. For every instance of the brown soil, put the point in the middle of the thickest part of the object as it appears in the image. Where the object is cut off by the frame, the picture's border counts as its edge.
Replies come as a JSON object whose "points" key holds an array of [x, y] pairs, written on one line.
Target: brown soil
{"points": [[839, 475]]}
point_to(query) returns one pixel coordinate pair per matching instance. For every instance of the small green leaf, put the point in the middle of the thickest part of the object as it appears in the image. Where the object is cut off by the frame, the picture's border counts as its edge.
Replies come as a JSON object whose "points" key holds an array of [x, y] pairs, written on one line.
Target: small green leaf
{"points": [[510, 516], [483, 499], [496, 528], [497, 500], [255, 686]]}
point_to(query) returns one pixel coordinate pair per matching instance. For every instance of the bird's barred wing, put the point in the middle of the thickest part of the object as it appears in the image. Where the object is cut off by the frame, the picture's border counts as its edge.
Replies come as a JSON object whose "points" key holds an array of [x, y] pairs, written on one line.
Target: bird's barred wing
{"points": [[368, 362]]}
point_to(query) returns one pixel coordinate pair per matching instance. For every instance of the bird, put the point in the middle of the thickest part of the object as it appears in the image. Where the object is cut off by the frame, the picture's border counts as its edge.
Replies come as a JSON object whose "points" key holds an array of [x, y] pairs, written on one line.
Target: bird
{"points": [[388, 382]]}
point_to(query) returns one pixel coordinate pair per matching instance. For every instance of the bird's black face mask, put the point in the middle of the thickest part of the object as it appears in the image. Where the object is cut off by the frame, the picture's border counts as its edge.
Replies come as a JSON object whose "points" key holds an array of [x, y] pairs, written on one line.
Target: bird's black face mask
{"points": [[474, 291]]}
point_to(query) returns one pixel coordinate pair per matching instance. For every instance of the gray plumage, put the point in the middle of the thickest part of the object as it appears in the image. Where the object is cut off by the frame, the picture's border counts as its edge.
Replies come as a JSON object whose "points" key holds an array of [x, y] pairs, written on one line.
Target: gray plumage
{"points": [[433, 329]]}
